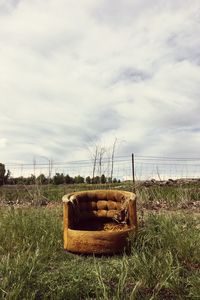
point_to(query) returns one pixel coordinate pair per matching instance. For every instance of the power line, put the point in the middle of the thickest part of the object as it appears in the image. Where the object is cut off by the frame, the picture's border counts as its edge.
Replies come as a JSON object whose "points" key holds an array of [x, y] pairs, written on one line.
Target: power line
{"points": [[107, 159]]}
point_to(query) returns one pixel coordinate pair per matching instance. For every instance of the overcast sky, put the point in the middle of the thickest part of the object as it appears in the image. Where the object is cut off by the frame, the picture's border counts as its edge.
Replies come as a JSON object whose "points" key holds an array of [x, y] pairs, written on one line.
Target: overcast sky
{"points": [[76, 73]]}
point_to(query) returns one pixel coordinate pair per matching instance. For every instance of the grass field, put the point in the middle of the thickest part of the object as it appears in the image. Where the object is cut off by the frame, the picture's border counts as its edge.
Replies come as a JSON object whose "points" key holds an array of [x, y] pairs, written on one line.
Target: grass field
{"points": [[164, 262]]}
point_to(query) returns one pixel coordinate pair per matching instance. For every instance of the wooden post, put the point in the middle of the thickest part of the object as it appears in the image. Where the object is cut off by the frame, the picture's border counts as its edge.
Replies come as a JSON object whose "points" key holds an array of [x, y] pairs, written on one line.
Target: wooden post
{"points": [[132, 213], [134, 208], [133, 172]]}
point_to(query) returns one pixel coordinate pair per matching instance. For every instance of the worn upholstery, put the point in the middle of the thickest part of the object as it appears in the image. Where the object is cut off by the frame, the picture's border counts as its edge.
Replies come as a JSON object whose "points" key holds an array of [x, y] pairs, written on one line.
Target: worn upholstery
{"points": [[96, 204]]}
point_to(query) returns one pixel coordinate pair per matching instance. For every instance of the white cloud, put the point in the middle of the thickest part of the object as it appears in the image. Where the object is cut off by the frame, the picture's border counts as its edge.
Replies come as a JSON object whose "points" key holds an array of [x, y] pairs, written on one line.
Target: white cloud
{"points": [[3, 143], [72, 73]]}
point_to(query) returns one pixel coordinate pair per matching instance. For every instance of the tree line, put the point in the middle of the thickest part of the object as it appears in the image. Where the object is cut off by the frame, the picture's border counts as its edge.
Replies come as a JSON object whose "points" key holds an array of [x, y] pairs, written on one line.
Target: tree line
{"points": [[58, 178]]}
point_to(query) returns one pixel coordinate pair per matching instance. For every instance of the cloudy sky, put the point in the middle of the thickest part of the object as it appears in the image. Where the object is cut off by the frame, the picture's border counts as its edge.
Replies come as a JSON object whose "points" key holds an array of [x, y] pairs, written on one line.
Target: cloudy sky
{"points": [[74, 74]]}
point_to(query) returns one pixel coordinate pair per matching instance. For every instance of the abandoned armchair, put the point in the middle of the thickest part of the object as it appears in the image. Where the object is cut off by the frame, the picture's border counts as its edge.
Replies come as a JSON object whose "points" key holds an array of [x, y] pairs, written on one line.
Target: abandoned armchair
{"points": [[98, 221]]}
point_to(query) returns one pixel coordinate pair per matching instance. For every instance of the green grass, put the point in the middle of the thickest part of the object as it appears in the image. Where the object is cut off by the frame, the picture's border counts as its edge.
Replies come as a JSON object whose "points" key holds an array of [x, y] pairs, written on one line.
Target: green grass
{"points": [[24, 194], [168, 197], [163, 263]]}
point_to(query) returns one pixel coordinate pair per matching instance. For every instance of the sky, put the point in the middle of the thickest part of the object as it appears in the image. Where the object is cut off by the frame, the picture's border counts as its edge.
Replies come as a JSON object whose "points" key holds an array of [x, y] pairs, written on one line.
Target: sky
{"points": [[78, 74]]}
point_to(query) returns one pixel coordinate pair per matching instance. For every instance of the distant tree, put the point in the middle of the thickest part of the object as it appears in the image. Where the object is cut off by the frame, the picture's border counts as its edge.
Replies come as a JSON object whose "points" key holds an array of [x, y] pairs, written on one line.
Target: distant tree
{"points": [[109, 180], [7, 177], [103, 178], [3, 176], [78, 179], [30, 180], [41, 179], [68, 179], [114, 180], [112, 158], [95, 154], [101, 153], [96, 180], [71, 180], [11, 180], [58, 178], [2, 173], [20, 180], [88, 180]]}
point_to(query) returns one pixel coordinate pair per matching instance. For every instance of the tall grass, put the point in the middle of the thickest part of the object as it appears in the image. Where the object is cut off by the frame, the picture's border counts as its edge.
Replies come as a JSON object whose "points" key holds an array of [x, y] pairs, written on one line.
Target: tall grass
{"points": [[35, 194], [163, 263], [170, 197]]}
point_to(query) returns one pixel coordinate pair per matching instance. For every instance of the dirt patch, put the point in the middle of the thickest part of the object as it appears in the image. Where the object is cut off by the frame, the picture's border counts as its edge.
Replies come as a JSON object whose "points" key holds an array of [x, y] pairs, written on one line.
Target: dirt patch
{"points": [[164, 205]]}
